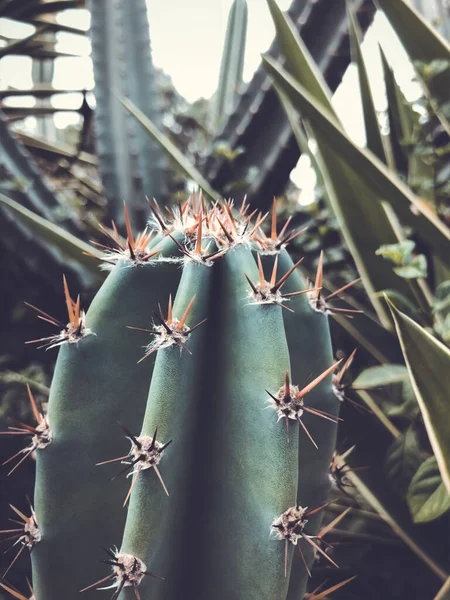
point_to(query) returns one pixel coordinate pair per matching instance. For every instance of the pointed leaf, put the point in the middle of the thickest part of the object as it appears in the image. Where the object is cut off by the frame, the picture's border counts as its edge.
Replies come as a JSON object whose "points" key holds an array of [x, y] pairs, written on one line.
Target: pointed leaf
{"points": [[421, 41], [409, 208], [428, 362], [171, 150], [427, 496], [299, 62], [373, 134], [69, 245]]}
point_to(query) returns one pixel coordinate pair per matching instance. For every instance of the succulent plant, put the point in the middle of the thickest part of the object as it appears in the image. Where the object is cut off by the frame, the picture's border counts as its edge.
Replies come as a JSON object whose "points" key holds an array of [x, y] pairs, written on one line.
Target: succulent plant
{"points": [[230, 411]]}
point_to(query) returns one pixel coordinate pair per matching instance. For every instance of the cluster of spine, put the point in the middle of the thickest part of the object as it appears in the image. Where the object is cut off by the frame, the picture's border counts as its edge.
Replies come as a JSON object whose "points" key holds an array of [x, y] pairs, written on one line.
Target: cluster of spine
{"points": [[190, 401]]}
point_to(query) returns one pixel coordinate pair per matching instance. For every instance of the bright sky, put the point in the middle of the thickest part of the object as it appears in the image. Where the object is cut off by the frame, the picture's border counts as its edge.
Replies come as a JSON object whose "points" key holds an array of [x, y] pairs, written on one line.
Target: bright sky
{"points": [[187, 42]]}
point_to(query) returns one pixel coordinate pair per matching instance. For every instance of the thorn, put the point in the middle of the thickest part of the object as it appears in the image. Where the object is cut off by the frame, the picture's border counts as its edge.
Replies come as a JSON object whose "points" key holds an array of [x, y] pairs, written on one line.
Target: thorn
{"points": [[342, 289], [319, 274], [68, 301], [302, 393], [307, 432], [185, 314], [304, 561], [262, 279], [128, 227], [283, 279], [273, 278], [160, 479], [274, 221]]}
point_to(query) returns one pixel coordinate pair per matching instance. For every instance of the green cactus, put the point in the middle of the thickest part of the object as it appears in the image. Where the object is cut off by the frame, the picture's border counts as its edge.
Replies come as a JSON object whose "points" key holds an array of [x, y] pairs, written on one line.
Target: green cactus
{"points": [[229, 464]]}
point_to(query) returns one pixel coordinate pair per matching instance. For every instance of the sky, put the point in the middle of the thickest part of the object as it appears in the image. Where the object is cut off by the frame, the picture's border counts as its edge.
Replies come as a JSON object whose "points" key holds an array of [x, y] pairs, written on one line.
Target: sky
{"points": [[187, 42]]}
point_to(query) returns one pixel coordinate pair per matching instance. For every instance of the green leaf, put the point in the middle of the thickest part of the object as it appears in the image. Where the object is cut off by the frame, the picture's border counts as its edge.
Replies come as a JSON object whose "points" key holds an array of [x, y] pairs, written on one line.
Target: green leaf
{"points": [[428, 362], [420, 40], [405, 407], [442, 295], [402, 461], [362, 165], [431, 69], [171, 150], [375, 377], [374, 140], [66, 243], [399, 254], [427, 496], [416, 269]]}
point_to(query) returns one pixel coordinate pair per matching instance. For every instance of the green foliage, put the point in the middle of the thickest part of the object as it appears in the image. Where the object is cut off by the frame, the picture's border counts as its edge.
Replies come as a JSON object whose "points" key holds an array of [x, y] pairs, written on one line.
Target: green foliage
{"points": [[408, 265], [427, 496]]}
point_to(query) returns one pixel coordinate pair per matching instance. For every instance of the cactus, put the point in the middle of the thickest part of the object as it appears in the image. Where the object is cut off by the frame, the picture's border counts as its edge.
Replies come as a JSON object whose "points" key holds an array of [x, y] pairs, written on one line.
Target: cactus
{"points": [[229, 410]]}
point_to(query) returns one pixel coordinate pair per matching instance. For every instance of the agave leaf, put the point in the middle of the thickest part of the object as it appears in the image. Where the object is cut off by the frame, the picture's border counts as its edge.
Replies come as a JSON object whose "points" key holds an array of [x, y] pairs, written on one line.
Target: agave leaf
{"points": [[171, 150], [428, 362], [402, 461], [69, 245], [375, 377], [299, 62], [420, 40], [427, 496], [363, 164], [371, 125]]}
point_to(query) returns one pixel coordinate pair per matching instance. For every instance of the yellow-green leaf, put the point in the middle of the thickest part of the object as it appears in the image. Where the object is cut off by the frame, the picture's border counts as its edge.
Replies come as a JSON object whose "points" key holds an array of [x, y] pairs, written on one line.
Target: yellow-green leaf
{"points": [[428, 362]]}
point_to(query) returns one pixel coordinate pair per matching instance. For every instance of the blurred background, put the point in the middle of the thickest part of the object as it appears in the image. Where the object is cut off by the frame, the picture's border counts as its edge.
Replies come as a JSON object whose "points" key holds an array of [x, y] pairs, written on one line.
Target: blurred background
{"points": [[71, 154]]}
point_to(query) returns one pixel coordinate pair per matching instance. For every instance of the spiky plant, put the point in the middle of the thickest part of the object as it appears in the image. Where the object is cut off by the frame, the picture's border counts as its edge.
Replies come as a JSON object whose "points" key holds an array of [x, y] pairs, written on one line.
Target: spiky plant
{"points": [[229, 408]]}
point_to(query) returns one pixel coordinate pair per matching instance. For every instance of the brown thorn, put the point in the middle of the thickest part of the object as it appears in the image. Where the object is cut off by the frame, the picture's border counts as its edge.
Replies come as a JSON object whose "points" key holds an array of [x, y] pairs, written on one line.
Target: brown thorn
{"points": [[307, 432], [285, 226], [317, 380], [330, 590], [287, 385], [283, 279], [319, 274], [273, 278], [13, 592], [157, 216], [34, 407], [13, 561], [198, 243], [285, 556], [320, 414], [47, 316], [303, 559], [21, 460], [196, 326], [339, 376], [135, 478], [113, 460], [161, 479], [141, 329], [255, 291], [262, 279], [342, 289], [333, 523], [300, 292], [128, 227], [319, 549], [19, 514], [228, 236], [169, 311], [185, 314], [90, 587], [147, 355], [258, 224], [273, 234], [68, 301]]}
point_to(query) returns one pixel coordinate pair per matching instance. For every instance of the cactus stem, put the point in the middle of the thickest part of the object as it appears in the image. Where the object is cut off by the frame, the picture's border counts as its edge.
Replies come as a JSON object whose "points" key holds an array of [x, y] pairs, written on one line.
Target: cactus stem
{"points": [[71, 333], [128, 571], [28, 534]]}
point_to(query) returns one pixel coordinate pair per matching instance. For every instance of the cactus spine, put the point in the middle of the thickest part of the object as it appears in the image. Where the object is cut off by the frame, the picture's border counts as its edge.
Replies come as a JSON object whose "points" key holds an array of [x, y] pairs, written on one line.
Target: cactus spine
{"points": [[227, 470]]}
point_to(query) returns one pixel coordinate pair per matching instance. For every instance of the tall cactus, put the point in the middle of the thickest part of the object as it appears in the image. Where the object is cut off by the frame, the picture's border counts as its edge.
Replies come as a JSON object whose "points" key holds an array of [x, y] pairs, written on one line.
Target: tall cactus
{"points": [[227, 470], [130, 163], [232, 65]]}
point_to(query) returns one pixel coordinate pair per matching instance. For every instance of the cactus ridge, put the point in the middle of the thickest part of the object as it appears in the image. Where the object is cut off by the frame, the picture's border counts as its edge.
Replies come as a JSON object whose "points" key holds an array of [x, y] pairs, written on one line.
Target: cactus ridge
{"points": [[211, 480]]}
